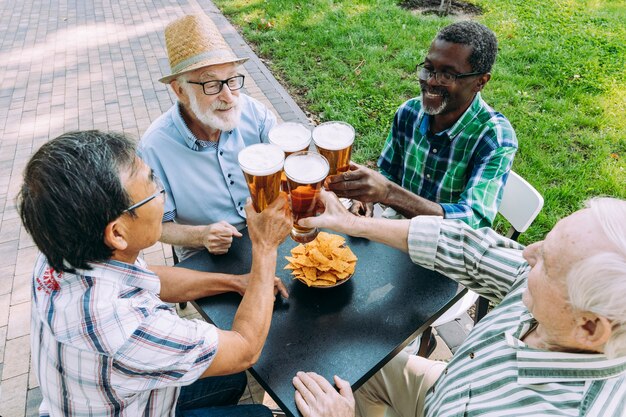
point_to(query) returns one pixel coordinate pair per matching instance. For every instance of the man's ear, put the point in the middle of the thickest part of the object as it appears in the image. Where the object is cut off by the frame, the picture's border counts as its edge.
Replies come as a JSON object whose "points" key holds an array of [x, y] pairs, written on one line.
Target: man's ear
{"points": [[593, 331], [115, 235], [482, 80], [178, 90]]}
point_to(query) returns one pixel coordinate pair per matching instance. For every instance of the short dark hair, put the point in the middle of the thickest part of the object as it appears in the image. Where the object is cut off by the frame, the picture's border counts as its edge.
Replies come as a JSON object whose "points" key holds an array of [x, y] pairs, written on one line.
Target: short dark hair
{"points": [[72, 190], [479, 37]]}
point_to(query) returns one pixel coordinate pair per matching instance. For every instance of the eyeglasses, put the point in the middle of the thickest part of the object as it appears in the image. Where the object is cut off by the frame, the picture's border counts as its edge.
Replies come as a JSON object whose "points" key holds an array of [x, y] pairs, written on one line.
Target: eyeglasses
{"points": [[443, 78], [161, 190], [213, 87]]}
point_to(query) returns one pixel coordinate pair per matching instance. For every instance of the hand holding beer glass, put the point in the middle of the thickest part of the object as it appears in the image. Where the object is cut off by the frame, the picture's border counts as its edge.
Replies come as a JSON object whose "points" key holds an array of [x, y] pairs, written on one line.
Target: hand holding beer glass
{"points": [[306, 172], [262, 165], [290, 137]]}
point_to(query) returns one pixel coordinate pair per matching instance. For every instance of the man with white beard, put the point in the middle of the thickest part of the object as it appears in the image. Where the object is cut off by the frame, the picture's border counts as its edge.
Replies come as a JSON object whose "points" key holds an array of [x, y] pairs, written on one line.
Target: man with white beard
{"points": [[448, 153], [193, 147]]}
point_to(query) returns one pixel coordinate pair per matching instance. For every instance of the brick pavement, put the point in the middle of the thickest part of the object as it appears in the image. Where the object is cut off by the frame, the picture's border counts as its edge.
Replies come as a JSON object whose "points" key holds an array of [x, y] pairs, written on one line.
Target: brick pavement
{"points": [[67, 65]]}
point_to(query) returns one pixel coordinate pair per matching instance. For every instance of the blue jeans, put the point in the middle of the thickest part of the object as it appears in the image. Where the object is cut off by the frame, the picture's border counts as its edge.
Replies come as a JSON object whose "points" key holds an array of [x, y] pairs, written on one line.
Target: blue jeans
{"points": [[217, 397]]}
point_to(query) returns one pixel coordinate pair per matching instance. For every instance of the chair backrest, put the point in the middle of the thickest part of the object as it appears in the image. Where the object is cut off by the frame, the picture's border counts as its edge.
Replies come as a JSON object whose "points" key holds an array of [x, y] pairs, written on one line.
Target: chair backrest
{"points": [[520, 205]]}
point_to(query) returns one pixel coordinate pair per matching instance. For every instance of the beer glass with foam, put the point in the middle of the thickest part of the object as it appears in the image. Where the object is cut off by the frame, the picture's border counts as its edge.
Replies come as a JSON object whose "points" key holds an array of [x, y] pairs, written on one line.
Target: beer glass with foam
{"points": [[262, 165], [334, 141], [290, 137], [306, 172]]}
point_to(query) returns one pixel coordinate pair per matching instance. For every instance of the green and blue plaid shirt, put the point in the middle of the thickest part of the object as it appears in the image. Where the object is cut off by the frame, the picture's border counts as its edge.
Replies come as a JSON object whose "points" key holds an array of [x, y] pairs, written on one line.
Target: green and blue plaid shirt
{"points": [[463, 168]]}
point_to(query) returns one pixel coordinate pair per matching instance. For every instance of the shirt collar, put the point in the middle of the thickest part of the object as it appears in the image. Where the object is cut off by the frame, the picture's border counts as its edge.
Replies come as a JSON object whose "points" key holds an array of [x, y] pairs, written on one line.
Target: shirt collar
{"points": [[536, 366], [463, 121], [135, 275], [467, 118], [191, 140]]}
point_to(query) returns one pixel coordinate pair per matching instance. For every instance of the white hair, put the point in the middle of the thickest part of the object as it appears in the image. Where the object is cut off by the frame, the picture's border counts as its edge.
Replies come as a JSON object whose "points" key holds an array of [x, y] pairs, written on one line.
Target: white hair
{"points": [[598, 283]]}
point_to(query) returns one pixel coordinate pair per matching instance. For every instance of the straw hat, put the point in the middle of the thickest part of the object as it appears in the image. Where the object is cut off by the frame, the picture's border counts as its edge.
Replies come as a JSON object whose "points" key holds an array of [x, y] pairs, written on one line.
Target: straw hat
{"points": [[194, 42]]}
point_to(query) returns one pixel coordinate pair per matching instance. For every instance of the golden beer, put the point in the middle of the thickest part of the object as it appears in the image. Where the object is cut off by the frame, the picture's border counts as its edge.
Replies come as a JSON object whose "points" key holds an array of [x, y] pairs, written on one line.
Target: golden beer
{"points": [[290, 137], [334, 141], [262, 165], [306, 172]]}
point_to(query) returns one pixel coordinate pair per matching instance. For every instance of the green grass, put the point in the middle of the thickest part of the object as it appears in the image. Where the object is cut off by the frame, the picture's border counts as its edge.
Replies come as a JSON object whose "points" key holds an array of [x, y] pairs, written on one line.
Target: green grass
{"points": [[560, 78]]}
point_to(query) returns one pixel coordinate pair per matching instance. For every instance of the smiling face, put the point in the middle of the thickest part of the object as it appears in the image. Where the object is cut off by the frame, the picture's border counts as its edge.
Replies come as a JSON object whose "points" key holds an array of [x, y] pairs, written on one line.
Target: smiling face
{"points": [[219, 111], [454, 99], [573, 239]]}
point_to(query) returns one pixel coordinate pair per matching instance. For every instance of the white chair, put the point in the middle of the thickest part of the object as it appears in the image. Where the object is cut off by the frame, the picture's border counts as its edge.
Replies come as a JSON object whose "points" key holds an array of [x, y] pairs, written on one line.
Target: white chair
{"points": [[520, 205]]}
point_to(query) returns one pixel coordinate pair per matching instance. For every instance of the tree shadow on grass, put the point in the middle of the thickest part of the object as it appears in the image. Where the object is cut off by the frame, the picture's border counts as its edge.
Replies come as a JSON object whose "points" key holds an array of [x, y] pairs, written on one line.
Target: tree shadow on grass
{"points": [[445, 8]]}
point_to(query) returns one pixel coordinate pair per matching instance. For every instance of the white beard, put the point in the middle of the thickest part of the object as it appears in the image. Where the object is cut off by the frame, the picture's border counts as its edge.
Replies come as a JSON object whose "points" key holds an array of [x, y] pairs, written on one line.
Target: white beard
{"points": [[209, 117]]}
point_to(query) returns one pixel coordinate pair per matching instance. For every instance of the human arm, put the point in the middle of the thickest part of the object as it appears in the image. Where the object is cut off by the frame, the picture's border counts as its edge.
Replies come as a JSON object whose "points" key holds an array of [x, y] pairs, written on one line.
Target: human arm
{"points": [[240, 347], [480, 259], [182, 284], [366, 185], [479, 201], [335, 217], [216, 238], [315, 397]]}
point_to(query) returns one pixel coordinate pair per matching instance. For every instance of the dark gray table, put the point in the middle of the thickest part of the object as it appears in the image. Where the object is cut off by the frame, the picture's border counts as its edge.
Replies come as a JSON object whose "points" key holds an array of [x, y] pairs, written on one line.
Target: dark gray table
{"points": [[351, 330]]}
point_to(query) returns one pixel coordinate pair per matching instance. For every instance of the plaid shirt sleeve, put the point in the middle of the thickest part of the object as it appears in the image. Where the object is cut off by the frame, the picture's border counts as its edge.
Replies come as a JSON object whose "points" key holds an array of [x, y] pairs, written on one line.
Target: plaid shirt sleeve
{"points": [[480, 200], [162, 351], [480, 259]]}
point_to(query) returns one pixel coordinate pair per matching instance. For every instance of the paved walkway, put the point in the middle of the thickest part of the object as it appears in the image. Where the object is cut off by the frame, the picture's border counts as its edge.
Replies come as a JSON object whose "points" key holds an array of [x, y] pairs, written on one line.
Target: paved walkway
{"points": [[67, 65], [70, 65]]}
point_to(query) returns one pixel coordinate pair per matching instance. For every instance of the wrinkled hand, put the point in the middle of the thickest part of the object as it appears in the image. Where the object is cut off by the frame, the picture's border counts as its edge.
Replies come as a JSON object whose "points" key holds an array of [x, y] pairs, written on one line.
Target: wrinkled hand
{"points": [[219, 236], [335, 216], [269, 228], [359, 183], [244, 279], [315, 397], [359, 208]]}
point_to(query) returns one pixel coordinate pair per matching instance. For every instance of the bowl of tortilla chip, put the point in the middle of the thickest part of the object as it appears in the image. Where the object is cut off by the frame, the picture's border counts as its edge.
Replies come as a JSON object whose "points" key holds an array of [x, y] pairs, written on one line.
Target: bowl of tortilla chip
{"points": [[325, 262]]}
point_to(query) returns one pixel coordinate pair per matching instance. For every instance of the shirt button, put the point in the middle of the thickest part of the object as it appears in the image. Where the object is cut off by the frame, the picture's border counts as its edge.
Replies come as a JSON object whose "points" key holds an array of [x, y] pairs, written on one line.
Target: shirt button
{"points": [[471, 355], [228, 175], [434, 150], [428, 176], [221, 153], [232, 182], [445, 371]]}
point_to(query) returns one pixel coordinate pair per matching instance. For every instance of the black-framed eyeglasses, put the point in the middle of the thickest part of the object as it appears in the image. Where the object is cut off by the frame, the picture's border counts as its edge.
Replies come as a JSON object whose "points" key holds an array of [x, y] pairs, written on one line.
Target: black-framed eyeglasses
{"points": [[443, 78], [213, 87], [160, 190]]}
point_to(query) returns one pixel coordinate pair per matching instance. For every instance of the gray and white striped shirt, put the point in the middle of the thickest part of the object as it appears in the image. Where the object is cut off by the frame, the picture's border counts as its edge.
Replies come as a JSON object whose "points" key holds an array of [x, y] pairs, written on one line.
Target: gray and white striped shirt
{"points": [[494, 373]]}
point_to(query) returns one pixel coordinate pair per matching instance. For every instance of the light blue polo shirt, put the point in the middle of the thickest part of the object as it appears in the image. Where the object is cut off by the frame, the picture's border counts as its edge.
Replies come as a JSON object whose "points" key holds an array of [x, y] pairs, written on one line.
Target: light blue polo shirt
{"points": [[204, 184]]}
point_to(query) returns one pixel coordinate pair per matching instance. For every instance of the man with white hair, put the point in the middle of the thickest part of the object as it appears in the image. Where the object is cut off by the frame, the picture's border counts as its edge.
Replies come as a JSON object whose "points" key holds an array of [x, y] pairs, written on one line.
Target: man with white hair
{"points": [[193, 147], [554, 345]]}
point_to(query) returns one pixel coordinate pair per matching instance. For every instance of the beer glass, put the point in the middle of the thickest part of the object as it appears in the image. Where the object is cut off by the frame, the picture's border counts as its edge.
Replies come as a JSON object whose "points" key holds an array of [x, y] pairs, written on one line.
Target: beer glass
{"points": [[262, 165], [334, 141], [306, 172], [290, 137]]}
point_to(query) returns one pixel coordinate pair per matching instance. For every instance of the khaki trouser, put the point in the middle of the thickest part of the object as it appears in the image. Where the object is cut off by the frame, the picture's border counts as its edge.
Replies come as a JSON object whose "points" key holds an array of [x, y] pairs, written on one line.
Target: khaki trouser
{"points": [[400, 385]]}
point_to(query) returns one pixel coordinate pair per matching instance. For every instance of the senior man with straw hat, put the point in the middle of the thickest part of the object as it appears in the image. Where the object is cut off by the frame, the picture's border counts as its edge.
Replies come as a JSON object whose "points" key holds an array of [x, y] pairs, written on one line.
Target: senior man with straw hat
{"points": [[193, 147]]}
